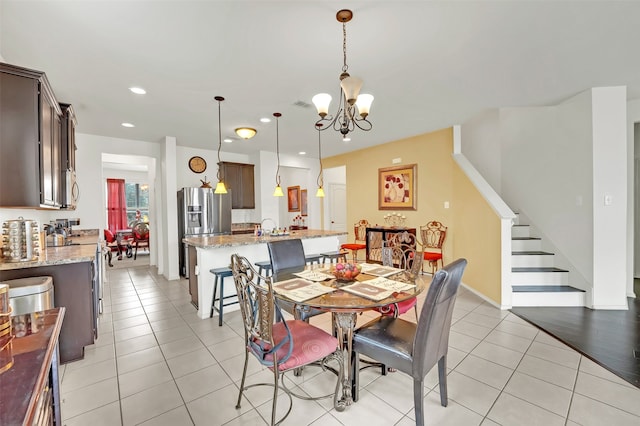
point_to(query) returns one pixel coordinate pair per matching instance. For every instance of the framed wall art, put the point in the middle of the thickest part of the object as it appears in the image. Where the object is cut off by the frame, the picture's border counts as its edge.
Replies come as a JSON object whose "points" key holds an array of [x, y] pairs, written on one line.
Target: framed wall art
{"points": [[293, 198], [397, 187], [303, 202]]}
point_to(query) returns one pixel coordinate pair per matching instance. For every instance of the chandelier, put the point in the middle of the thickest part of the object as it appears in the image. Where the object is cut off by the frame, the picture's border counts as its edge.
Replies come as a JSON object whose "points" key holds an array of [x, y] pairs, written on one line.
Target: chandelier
{"points": [[220, 187], [353, 107]]}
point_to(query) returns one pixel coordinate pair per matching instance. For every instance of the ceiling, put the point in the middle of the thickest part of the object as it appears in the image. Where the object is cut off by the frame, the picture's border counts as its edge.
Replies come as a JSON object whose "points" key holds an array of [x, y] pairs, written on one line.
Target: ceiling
{"points": [[429, 64]]}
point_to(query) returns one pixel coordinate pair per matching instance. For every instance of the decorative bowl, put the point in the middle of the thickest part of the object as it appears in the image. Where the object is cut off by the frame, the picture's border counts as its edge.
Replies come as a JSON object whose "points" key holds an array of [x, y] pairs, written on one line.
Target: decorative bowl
{"points": [[346, 272]]}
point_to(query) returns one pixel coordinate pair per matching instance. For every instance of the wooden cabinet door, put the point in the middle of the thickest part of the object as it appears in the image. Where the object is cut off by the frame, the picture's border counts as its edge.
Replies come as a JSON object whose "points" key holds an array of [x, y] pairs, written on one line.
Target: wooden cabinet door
{"points": [[248, 193], [49, 151]]}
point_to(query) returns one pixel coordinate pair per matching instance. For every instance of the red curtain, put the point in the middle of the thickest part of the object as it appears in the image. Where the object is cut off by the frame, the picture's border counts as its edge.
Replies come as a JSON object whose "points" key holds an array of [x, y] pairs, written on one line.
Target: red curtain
{"points": [[116, 205]]}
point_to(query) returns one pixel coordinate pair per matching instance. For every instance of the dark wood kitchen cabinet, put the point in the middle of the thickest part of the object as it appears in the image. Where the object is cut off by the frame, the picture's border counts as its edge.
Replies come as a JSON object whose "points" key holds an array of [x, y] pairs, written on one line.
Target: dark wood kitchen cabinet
{"points": [[68, 185], [30, 134], [240, 180]]}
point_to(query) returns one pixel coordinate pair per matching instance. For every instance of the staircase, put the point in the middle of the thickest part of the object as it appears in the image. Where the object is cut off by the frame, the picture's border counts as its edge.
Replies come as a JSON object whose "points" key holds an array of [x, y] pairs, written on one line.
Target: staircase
{"points": [[535, 279]]}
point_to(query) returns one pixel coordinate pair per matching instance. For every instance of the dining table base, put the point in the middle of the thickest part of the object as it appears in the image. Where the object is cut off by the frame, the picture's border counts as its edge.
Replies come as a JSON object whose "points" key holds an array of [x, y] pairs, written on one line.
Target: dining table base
{"points": [[345, 324]]}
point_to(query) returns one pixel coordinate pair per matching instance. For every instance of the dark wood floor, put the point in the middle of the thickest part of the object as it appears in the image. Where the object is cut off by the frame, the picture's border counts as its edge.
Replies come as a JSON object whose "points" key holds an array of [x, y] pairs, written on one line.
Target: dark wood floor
{"points": [[609, 338]]}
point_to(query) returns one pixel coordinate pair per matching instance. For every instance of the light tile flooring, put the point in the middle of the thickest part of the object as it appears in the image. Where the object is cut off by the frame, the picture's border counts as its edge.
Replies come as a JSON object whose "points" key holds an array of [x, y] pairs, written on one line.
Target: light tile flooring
{"points": [[156, 363]]}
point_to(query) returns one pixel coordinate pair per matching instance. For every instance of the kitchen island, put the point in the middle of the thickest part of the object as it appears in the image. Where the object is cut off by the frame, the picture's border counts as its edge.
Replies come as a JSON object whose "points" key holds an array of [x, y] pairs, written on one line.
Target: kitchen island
{"points": [[207, 253]]}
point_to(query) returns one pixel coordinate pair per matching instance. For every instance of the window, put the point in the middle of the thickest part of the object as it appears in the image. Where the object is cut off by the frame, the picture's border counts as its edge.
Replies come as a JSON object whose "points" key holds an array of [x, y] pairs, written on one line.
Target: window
{"points": [[137, 196]]}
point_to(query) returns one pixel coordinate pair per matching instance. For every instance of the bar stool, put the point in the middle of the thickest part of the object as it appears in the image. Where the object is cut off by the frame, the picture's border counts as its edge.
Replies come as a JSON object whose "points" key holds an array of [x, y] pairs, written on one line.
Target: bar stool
{"points": [[221, 274], [263, 265], [313, 258], [334, 256]]}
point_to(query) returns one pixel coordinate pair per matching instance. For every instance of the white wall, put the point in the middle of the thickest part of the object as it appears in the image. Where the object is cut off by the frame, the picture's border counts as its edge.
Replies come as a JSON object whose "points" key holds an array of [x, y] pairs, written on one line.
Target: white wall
{"points": [[481, 146], [633, 116]]}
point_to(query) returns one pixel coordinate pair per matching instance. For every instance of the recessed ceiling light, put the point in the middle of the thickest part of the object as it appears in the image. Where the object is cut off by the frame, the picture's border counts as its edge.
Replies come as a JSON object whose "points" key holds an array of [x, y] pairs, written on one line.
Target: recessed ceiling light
{"points": [[302, 153], [127, 125], [227, 140], [265, 120], [138, 90], [346, 139]]}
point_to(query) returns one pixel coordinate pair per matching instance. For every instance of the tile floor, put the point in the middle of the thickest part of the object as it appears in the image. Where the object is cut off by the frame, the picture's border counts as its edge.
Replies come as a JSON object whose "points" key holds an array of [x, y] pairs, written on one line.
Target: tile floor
{"points": [[156, 363]]}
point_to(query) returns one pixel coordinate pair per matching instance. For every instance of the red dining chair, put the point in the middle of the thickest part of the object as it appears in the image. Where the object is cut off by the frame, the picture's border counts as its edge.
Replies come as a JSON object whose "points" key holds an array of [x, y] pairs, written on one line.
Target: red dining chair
{"points": [[360, 231], [140, 237], [280, 345], [433, 235]]}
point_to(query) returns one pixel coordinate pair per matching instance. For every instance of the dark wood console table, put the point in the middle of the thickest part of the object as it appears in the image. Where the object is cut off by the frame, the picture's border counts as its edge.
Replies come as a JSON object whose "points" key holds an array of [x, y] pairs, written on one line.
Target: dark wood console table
{"points": [[375, 236], [30, 388]]}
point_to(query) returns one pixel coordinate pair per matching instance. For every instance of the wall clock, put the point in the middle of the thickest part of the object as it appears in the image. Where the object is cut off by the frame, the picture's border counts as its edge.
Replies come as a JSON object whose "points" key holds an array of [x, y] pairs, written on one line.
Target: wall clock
{"points": [[197, 164]]}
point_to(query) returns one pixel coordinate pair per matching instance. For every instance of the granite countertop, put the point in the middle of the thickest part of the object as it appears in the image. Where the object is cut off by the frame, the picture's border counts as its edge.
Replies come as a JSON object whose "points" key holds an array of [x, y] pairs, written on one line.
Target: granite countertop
{"points": [[83, 249], [247, 239]]}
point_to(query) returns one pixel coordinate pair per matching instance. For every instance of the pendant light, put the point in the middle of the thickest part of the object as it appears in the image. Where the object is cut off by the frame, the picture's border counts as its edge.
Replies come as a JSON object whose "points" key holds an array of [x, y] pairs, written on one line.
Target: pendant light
{"points": [[320, 180], [278, 191], [220, 187]]}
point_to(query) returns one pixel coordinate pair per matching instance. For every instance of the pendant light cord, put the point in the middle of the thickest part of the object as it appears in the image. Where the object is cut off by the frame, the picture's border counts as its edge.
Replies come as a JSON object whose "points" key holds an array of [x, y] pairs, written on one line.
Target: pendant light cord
{"points": [[277, 116], [320, 180]]}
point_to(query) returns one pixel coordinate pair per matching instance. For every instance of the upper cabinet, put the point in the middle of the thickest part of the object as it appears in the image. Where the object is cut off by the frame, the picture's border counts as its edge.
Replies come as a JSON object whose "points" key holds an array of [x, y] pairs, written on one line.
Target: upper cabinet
{"points": [[33, 156], [238, 177], [68, 186]]}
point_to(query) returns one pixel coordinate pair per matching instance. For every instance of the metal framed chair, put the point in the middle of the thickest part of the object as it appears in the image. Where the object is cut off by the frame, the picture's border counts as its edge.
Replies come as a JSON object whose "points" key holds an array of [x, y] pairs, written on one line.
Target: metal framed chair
{"points": [[140, 237], [360, 231], [287, 257], [279, 345], [414, 348], [432, 237], [400, 250]]}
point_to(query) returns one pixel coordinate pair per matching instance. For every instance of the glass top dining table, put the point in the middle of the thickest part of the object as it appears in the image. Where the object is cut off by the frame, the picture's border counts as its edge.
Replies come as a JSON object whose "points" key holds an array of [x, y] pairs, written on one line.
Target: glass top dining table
{"points": [[345, 306]]}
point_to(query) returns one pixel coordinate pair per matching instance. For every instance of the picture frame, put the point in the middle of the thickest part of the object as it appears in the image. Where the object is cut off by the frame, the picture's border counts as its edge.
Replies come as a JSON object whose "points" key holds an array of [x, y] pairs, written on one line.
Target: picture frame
{"points": [[293, 198], [397, 187], [303, 202]]}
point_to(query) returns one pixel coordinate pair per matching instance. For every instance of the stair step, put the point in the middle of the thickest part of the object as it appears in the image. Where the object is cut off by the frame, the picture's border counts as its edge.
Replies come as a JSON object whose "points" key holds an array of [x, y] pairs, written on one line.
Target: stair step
{"points": [[532, 258], [519, 231], [525, 243], [545, 288], [561, 295], [539, 275]]}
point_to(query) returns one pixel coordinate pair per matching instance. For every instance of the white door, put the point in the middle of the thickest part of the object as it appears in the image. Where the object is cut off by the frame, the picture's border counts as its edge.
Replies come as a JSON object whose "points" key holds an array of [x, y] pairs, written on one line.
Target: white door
{"points": [[338, 207]]}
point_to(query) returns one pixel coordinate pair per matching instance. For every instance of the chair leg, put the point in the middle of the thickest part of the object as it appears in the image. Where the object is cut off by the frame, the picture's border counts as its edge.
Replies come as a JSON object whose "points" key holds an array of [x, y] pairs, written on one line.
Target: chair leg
{"points": [[213, 300], [221, 299], [442, 378], [135, 255], [418, 400], [244, 376], [355, 375], [276, 374]]}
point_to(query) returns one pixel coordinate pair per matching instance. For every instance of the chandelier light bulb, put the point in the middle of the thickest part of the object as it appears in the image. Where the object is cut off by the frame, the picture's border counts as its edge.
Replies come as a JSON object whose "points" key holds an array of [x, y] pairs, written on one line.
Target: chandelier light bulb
{"points": [[322, 101], [363, 103], [351, 87]]}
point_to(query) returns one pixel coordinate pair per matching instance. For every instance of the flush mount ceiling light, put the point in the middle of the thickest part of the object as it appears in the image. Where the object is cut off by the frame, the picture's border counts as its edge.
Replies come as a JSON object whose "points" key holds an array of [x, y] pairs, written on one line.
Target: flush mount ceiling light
{"points": [[320, 180], [353, 107], [220, 187], [278, 191], [246, 132]]}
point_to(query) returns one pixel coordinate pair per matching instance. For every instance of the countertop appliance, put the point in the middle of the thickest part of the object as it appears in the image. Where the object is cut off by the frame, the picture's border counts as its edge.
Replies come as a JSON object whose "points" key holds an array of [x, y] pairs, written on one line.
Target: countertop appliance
{"points": [[201, 213]]}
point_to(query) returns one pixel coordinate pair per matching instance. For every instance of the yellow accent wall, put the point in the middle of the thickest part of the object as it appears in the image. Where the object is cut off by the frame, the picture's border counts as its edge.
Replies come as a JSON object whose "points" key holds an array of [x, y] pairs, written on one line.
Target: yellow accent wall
{"points": [[439, 180], [477, 237]]}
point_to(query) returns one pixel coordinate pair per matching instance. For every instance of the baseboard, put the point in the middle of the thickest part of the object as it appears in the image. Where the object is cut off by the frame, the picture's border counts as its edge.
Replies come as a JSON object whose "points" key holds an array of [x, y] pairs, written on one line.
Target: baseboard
{"points": [[485, 298]]}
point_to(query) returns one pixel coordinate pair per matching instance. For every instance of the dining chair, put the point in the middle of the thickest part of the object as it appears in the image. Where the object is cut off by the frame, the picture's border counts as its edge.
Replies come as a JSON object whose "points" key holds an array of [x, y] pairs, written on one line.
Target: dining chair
{"points": [[360, 231], [432, 237], [400, 251], [414, 348], [287, 257], [277, 344], [140, 237]]}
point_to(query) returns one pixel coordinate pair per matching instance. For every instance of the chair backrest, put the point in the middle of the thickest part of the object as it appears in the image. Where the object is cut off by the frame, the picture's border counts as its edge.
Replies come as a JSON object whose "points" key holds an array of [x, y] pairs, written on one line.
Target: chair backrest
{"points": [[431, 341], [257, 306], [432, 235], [360, 229], [141, 231], [108, 236], [286, 256], [399, 250]]}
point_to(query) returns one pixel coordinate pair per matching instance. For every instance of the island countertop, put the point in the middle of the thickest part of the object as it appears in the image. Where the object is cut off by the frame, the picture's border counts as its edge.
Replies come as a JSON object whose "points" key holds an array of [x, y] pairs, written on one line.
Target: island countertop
{"points": [[249, 239]]}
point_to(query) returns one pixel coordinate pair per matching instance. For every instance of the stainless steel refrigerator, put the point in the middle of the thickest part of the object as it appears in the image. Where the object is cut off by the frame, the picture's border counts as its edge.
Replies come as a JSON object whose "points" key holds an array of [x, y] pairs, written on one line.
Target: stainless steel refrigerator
{"points": [[201, 213]]}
